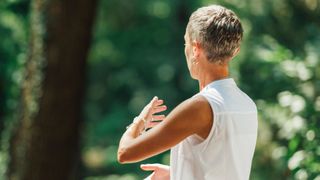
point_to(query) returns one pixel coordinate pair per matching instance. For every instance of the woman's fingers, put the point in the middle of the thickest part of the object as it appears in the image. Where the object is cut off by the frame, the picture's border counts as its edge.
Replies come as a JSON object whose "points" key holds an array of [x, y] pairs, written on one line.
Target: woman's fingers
{"points": [[158, 117], [152, 124], [150, 177], [154, 100], [149, 167], [160, 171], [154, 106], [158, 102], [159, 109]]}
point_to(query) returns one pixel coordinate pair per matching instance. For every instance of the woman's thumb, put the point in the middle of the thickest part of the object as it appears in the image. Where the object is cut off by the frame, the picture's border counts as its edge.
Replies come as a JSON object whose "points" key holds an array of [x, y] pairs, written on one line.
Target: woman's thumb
{"points": [[148, 167]]}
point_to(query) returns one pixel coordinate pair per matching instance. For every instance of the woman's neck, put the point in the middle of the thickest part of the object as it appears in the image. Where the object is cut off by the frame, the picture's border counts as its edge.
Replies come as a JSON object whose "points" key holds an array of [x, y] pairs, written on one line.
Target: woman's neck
{"points": [[213, 74]]}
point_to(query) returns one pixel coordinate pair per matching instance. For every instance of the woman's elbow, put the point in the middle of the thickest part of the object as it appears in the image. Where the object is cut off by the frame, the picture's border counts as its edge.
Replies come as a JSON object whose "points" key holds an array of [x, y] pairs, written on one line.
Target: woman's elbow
{"points": [[124, 156]]}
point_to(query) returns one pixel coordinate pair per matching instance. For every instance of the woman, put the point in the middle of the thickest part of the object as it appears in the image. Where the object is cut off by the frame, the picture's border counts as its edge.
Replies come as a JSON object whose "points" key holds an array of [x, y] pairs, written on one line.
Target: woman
{"points": [[212, 135]]}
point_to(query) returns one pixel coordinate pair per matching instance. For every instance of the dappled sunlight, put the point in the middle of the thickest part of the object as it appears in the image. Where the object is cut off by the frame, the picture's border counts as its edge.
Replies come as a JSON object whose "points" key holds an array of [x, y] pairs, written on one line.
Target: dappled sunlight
{"points": [[94, 158], [160, 9]]}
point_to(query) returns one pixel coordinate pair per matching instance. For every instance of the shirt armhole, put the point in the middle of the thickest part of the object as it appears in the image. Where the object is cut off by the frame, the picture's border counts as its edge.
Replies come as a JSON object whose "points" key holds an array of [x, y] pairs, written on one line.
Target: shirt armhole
{"points": [[203, 145]]}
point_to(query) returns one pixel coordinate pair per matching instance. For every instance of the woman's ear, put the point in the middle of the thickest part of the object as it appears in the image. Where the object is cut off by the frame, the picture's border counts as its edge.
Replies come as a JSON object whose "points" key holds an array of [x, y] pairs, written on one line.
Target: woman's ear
{"points": [[196, 49]]}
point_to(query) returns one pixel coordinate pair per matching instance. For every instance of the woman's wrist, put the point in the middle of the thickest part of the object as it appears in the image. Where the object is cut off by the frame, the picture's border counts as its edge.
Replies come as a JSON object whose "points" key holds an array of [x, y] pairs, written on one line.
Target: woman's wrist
{"points": [[141, 123], [138, 125]]}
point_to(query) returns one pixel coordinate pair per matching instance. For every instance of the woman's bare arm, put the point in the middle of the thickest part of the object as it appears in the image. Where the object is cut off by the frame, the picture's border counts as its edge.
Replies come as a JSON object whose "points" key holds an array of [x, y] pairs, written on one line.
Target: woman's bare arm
{"points": [[193, 116]]}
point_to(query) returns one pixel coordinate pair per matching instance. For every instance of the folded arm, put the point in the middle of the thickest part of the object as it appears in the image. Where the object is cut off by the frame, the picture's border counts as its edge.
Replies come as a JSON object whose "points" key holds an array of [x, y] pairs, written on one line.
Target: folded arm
{"points": [[193, 116]]}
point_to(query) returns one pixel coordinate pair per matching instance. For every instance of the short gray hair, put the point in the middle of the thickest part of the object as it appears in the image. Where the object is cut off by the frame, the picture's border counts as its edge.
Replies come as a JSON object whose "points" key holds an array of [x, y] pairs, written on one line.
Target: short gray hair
{"points": [[217, 29]]}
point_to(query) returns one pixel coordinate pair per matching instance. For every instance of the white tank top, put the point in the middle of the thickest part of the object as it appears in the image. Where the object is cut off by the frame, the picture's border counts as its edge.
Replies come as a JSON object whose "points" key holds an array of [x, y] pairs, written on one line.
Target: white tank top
{"points": [[227, 152]]}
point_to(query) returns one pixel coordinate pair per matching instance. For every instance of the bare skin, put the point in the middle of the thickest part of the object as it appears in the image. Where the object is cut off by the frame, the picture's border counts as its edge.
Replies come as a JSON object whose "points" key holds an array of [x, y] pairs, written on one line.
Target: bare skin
{"points": [[176, 126], [173, 129], [160, 171]]}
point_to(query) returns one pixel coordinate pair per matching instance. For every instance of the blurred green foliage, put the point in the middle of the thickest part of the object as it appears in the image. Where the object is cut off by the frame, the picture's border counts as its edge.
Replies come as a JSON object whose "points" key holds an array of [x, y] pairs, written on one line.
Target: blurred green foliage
{"points": [[13, 44], [137, 52]]}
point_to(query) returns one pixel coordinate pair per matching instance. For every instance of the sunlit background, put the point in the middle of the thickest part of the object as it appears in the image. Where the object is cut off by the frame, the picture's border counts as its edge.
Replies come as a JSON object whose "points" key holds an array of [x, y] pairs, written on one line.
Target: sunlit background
{"points": [[137, 52]]}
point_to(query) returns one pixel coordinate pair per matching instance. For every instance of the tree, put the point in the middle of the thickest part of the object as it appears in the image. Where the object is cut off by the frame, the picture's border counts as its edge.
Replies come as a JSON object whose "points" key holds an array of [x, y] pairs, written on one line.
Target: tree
{"points": [[45, 145]]}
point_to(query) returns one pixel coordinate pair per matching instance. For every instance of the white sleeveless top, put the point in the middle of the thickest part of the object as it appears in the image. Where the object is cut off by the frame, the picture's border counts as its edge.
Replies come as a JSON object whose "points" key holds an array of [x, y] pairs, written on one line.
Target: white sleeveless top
{"points": [[227, 152]]}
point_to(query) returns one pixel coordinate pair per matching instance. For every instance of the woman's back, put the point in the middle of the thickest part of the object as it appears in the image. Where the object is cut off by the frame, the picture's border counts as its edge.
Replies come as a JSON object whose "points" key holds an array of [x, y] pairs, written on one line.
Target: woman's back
{"points": [[228, 150]]}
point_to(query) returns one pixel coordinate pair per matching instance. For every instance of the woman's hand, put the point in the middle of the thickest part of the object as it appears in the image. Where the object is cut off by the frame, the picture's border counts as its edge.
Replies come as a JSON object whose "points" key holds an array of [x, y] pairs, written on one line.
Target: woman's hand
{"points": [[176, 127], [148, 113], [160, 171]]}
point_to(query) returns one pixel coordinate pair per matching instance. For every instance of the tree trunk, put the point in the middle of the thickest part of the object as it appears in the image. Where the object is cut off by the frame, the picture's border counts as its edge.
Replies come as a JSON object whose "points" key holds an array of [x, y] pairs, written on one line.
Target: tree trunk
{"points": [[46, 142]]}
